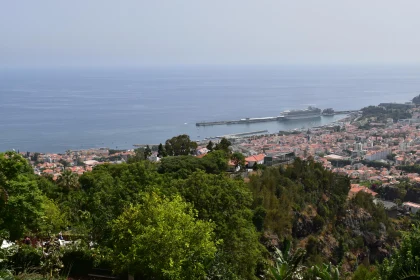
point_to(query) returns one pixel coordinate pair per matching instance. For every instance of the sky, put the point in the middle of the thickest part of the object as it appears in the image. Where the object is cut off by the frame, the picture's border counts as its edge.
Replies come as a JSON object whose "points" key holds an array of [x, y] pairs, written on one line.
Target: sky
{"points": [[183, 32]]}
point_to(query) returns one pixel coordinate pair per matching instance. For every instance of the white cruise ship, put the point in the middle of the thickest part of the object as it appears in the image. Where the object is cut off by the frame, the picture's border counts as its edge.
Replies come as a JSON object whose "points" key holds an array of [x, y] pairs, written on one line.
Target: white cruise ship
{"points": [[309, 113]]}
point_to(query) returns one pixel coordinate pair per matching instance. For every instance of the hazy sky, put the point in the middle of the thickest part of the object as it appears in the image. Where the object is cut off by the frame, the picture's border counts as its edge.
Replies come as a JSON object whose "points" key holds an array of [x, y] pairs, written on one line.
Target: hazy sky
{"points": [[155, 32]]}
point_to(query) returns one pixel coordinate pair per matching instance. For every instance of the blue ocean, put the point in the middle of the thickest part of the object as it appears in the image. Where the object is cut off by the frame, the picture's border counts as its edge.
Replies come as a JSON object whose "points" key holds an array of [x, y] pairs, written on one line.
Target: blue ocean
{"points": [[53, 110]]}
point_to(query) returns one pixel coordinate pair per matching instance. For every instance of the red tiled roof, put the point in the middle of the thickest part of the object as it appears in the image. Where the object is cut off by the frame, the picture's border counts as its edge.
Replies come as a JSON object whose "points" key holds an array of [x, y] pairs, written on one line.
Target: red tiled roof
{"points": [[355, 188], [255, 158]]}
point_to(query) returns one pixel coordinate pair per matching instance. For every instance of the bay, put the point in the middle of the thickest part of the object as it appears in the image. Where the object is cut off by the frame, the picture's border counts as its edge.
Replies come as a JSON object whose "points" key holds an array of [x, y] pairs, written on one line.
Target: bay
{"points": [[53, 110]]}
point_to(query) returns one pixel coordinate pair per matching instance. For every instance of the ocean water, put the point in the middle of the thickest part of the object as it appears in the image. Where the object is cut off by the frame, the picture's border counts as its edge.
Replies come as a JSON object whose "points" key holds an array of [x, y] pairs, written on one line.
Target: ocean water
{"points": [[52, 110]]}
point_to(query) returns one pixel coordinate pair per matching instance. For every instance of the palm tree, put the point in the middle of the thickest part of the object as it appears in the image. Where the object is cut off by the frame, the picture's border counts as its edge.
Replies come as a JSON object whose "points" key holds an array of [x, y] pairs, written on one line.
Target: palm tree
{"points": [[288, 266], [68, 180]]}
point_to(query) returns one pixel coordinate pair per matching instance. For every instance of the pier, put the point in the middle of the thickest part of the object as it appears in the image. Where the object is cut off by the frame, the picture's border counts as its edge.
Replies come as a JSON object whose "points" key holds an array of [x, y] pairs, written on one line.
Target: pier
{"points": [[242, 121], [265, 119]]}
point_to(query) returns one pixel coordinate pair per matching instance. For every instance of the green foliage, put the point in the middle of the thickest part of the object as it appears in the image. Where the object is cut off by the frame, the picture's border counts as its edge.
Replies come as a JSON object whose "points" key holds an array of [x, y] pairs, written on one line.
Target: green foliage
{"points": [[223, 145], [64, 163], [318, 223], [382, 114], [12, 165], [226, 202], [288, 265], [182, 166], [238, 159], [280, 190], [139, 155], [52, 219], [405, 262], [78, 258], [185, 218], [161, 151], [26, 258], [416, 100], [365, 201], [23, 211], [107, 190], [322, 272], [180, 145], [68, 181], [162, 239], [210, 146], [366, 273], [147, 152], [6, 274], [51, 263], [113, 151]]}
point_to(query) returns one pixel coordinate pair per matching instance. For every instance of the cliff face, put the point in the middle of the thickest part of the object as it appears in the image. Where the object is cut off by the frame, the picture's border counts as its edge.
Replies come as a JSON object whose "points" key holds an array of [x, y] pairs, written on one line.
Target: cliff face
{"points": [[310, 205], [357, 222], [351, 239], [303, 225]]}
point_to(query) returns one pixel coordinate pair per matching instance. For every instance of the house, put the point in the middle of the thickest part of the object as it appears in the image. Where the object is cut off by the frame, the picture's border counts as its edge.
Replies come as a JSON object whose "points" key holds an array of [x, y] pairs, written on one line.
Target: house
{"points": [[90, 162], [154, 157], [355, 188], [202, 151], [391, 208], [256, 159], [232, 167], [411, 206]]}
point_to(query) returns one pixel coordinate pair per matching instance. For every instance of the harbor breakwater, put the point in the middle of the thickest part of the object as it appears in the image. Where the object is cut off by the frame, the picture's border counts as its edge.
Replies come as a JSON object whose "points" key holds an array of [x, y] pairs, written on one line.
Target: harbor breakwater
{"points": [[258, 120]]}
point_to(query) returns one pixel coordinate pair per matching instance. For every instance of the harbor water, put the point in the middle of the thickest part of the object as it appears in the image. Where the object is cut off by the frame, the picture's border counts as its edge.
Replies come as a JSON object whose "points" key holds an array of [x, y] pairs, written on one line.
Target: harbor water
{"points": [[53, 110]]}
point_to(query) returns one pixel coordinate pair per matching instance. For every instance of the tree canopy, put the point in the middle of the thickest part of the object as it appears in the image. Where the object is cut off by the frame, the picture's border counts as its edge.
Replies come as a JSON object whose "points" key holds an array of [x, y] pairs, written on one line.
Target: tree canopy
{"points": [[180, 145], [185, 217], [161, 238]]}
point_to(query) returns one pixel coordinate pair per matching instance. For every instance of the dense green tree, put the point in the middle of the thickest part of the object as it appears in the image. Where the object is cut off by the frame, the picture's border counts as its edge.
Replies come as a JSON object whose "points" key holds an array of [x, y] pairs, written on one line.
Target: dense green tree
{"points": [[238, 159], [35, 157], [217, 158], [405, 262], [223, 145], [366, 273], [12, 165], [147, 152], [68, 181], [161, 151], [162, 239], [180, 145], [416, 100], [106, 192], [210, 146], [24, 208], [113, 206], [276, 195], [52, 220], [226, 202], [383, 113], [182, 166], [139, 155], [64, 163]]}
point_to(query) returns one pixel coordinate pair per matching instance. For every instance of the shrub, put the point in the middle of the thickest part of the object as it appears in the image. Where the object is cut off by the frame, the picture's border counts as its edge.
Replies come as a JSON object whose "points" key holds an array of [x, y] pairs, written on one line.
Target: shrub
{"points": [[78, 259], [318, 223], [27, 258]]}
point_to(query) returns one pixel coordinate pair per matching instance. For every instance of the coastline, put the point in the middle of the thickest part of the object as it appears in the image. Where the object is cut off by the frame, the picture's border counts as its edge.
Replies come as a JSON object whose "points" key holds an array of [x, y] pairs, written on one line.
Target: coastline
{"points": [[245, 134]]}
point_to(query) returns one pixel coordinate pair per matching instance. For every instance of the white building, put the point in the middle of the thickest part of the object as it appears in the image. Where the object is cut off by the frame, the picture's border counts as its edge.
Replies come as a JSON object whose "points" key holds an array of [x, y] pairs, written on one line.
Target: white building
{"points": [[377, 155], [412, 207]]}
